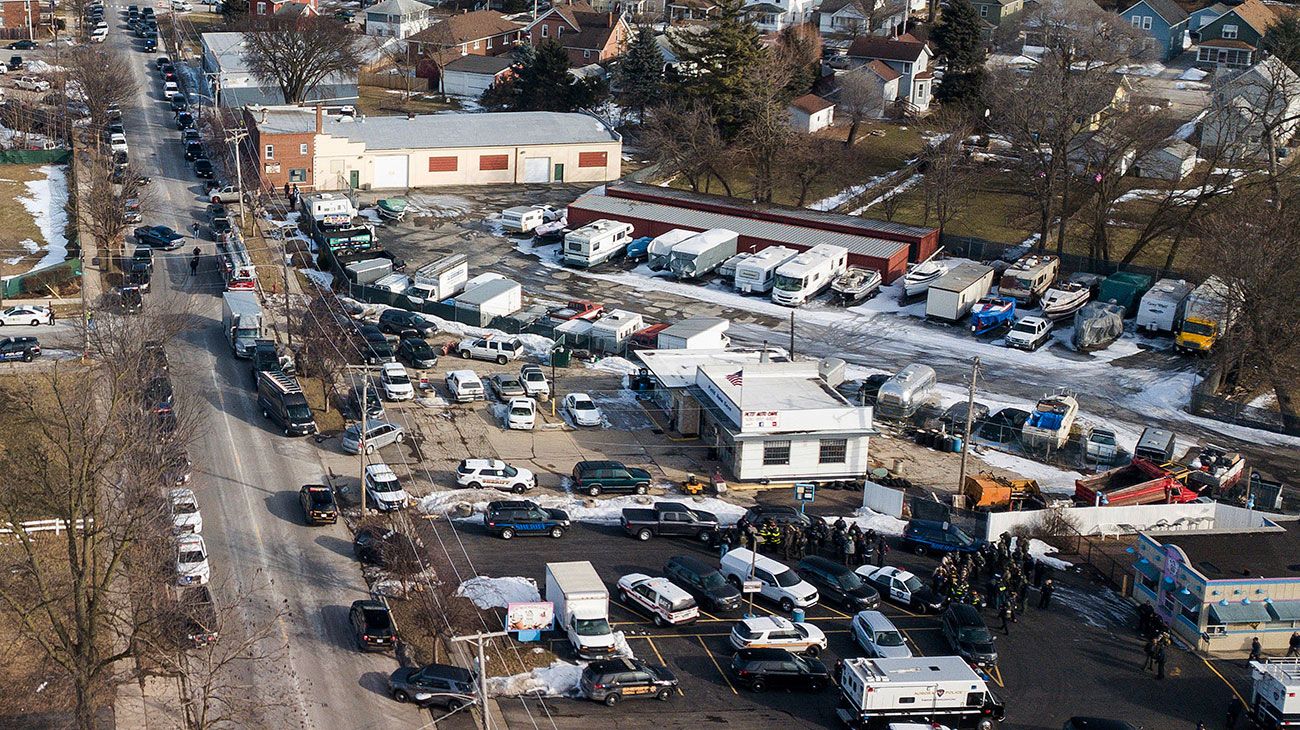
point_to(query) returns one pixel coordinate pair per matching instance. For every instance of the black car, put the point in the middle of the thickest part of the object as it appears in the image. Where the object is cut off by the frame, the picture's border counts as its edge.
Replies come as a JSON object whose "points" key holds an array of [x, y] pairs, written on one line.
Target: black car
{"points": [[374, 406], [760, 669], [375, 545], [838, 583], [113, 111], [779, 514], [611, 680], [434, 684], [121, 159], [153, 358], [702, 581], [115, 128], [318, 505], [402, 322], [372, 625], [162, 61], [158, 395], [508, 517], [197, 618], [23, 45], [417, 353], [203, 169], [177, 103], [19, 348], [15, 63], [375, 347], [144, 255], [184, 120], [967, 634], [159, 237], [139, 276], [150, 45], [220, 228], [194, 151], [127, 299]]}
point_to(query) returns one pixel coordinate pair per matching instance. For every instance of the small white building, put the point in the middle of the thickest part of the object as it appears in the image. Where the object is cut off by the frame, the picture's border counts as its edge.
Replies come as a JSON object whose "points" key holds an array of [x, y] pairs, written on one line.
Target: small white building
{"points": [[472, 75], [397, 18], [696, 333], [1173, 162], [810, 113]]}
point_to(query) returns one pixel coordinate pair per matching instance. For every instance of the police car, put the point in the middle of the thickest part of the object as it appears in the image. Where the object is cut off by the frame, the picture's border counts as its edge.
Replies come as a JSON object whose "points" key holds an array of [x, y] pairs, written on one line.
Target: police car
{"points": [[494, 473], [507, 518], [667, 604], [611, 680], [19, 348]]}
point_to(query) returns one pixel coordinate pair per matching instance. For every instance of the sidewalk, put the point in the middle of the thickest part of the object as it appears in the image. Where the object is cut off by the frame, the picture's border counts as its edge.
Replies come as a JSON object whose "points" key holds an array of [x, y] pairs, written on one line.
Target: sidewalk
{"points": [[154, 704]]}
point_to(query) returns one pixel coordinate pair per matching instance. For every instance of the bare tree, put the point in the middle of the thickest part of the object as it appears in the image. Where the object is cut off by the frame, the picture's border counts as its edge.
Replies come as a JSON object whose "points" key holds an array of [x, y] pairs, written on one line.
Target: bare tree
{"points": [[1253, 117], [809, 159], [859, 100], [404, 65], [687, 142], [296, 54], [765, 135], [103, 76], [103, 194], [948, 180]]}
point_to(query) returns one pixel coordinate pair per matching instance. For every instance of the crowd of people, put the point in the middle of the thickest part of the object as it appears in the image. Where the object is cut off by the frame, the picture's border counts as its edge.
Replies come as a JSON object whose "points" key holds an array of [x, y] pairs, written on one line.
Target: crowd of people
{"points": [[847, 543]]}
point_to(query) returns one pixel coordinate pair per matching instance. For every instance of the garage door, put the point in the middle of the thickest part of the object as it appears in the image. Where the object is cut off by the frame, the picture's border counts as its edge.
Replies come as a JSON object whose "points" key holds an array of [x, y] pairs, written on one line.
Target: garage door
{"points": [[390, 171], [537, 170]]}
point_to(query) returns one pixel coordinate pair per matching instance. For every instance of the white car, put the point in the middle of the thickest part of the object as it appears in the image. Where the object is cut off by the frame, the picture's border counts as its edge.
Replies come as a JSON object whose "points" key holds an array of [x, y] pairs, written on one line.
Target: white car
{"points": [[33, 315], [494, 473], [99, 35], [465, 386], [192, 561], [521, 414], [667, 603], [878, 636], [496, 349], [535, 383], [185, 512], [397, 384], [169, 88], [32, 83], [582, 409], [776, 632], [383, 490]]}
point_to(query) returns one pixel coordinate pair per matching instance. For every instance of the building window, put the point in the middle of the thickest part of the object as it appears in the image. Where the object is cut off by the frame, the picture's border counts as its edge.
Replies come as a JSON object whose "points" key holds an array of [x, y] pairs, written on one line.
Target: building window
{"points": [[464, 49], [776, 453], [907, 68], [489, 43], [559, 31], [270, 152], [984, 11], [494, 162], [920, 92], [1229, 32], [298, 174], [261, 8], [476, 45], [833, 451], [443, 164], [593, 159], [1137, 21], [1146, 22], [586, 54], [302, 149], [543, 30]]}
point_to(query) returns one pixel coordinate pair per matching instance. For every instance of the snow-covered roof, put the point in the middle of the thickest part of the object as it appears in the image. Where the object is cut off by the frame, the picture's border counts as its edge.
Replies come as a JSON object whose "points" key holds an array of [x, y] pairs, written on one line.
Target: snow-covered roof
{"points": [[676, 368]]}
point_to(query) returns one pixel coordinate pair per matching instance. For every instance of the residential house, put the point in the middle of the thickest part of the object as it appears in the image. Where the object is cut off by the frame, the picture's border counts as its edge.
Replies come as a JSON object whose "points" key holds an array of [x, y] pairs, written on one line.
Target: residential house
{"points": [[1172, 162], [810, 113], [285, 140], [885, 82], [994, 12], [682, 11], [477, 33], [225, 69], [644, 9], [774, 17], [472, 75], [843, 18], [907, 56], [1109, 100], [1201, 18], [1232, 39], [586, 35], [1256, 109], [397, 18], [281, 8], [1163, 20], [19, 18]]}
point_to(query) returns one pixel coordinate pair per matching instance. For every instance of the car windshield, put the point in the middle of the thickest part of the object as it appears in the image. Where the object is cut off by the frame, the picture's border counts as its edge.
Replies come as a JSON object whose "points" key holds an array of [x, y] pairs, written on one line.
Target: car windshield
{"points": [[1025, 327], [508, 382], [975, 635], [298, 412], [850, 581], [787, 578], [534, 376], [591, 627], [583, 405], [421, 349], [192, 556], [960, 538], [186, 508], [1196, 328], [912, 583], [386, 486], [714, 580], [398, 379], [320, 498], [788, 283], [889, 638]]}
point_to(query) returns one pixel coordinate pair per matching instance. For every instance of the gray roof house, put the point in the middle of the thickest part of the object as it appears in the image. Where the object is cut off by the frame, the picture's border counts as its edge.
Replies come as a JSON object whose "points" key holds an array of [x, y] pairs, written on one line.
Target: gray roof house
{"points": [[234, 85]]}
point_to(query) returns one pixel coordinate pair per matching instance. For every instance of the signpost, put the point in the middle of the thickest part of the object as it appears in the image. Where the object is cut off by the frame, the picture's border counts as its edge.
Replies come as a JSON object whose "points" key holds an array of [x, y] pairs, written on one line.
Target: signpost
{"points": [[804, 492]]}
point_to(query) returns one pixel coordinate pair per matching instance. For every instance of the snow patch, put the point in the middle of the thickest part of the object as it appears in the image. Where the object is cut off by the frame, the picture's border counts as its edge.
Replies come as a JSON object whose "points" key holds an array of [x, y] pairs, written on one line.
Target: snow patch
{"points": [[868, 519], [1193, 74], [322, 279], [615, 364], [46, 201], [1050, 478], [557, 680], [499, 592]]}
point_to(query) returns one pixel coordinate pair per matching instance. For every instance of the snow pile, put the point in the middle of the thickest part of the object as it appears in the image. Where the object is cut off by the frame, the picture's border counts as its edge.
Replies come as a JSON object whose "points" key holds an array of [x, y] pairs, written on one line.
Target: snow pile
{"points": [[322, 279], [598, 511], [499, 592], [45, 201], [1193, 74], [1050, 478], [615, 364], [869, 519], [1141, 69], [1041, 552], [900, 188], [41, 67], [557, 680], [536, 345]]}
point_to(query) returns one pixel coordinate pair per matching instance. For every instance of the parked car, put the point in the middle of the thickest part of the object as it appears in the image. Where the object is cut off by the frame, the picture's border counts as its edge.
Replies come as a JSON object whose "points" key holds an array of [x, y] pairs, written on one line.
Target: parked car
{"points": [[778, 583], [878, 636], [704, 582], [19, 348], [395, 382], [32, 83], [159, 237], [776, 632], [27, 314], [837, 583], [496, 349], [1030, 333], [376, 545], [507, 518], [224, 193], [131, 210], [778, 514], [582, 409], [535, 383], [374, 407], [760, 669], [22, 45], [669, 519], [521, 414], [922, 536], [372, 625], [383, 489], [596, 477], [611, 680], [15, 63], [464, 386], [495, 474], [203, 169], [417, 353], [404, 323], [667, 604], [967, 634], [220, 227], [378, 434], [192, 561], [506, 386], [318, 505], [902, 588], [443, 685], [185, 511], [197, 619]]}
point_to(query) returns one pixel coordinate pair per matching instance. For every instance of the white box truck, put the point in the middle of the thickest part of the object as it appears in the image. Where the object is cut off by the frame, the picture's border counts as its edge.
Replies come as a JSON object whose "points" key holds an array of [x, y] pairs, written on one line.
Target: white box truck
{"points": [[702, 253], [1275, 692], [808, 274], [938, 689], [596, 243], [581, 608], [1161, 308], [952, 296], [755, 274], [241, 321], [441, 279]]}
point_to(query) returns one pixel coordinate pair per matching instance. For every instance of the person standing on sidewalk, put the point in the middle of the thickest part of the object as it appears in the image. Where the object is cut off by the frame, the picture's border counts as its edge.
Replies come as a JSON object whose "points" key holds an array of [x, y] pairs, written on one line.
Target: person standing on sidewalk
{"points": [[1292, 647], [1150, 651], [1256, 650], [1160, 661]]}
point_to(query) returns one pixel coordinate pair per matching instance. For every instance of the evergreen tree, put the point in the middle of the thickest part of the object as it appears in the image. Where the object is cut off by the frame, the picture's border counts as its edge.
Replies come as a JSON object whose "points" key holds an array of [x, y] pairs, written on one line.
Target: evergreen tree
{"points": [[544, 84], [641, 73], [234, 10], [718, 66], [1283, 40], [959, 44]]}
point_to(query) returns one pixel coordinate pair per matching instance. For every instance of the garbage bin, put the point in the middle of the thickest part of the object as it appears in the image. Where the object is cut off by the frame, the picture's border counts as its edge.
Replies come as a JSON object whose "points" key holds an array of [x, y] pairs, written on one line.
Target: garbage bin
{"points": [[798, 615], [560, 357]]}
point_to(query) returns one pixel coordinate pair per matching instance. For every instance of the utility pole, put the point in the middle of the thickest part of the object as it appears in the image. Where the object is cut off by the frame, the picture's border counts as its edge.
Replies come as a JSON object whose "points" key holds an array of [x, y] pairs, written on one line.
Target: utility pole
{"points": [[361, 436], [970, 416], [486, 721], [791, 334], [234, 137]]}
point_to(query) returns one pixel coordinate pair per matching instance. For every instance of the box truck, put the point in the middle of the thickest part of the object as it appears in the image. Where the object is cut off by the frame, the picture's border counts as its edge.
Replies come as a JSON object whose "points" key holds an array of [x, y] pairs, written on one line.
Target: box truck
{"points": [[596, 243], [1207, 314], [952, 296], [1275, 692], [938, 690], [241, 321], [440, 279], [1161, 308], [581, 605], [808, 274], [702, 253], [755, 274]]}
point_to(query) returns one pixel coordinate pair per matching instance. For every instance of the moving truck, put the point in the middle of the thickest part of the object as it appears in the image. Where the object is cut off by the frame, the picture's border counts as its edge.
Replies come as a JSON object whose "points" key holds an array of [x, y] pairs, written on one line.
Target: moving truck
{"points": [[938, 690], [1207, 314], [1140, 482], [581, 608], [441, 279], [241, 321]]}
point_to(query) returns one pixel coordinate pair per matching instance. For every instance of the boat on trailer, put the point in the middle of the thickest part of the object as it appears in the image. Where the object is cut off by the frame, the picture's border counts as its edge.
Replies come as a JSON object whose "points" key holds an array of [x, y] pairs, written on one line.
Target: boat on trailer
{"points": [[920, 276], [856, 284], [1064, 299]]}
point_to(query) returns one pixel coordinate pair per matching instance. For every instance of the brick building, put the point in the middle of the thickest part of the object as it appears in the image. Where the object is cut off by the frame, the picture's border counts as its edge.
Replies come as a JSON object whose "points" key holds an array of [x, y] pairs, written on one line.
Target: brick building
{"points": [[587, 36], [285, 141], [478, 33], [19, 18], [281, 8]]}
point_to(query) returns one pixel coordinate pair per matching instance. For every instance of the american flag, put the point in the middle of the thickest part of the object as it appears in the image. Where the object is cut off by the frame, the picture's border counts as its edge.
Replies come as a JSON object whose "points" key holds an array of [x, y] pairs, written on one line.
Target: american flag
{"points": [[737, 378]]}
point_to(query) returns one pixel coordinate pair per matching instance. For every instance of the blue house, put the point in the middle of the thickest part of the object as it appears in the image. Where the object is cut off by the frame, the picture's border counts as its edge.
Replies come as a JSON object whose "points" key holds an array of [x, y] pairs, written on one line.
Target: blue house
{"points": [[1204, 16], [1164, 20]]}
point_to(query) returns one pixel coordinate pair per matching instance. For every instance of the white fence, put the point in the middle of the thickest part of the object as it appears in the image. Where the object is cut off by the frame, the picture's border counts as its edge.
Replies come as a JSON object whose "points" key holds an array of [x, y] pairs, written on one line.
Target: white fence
{"points": [[1131, 519], [55, 526], [882, 499]]}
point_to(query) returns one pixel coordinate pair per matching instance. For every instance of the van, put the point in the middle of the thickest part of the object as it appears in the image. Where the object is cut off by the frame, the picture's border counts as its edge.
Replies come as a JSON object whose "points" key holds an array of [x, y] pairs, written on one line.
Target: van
{"points": [[667, 604], [464, 386], [282, 401], [779, 583], [182, 6], [1156, 445]]}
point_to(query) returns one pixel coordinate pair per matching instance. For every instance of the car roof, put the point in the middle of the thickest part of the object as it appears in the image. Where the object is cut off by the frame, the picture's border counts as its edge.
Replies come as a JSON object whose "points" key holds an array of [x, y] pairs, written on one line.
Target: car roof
{"points": [[393, 367], [692, 563], [511, 504], [601, 465], [767, 623], [447, 671], [463, 374], [370, 604], [825, 564], [483, 463], [190, 541], [380, 470], [966, 614], [662, 586], [876, 620], [622, 664]]}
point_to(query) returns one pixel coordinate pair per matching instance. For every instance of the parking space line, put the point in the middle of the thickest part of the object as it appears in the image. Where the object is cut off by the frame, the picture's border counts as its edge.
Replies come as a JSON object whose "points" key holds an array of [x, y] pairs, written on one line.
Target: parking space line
{"points": [[908, 636], [655, 647], [1225, 681], [837, 613], [632, 611], [997, 676], [718, 666]]}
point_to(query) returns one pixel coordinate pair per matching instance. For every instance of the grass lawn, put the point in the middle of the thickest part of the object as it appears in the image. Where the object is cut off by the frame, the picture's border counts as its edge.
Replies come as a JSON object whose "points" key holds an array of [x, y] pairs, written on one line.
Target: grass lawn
{"points": [[19, 224], [326, 422], [995, 211], [378, 101]]}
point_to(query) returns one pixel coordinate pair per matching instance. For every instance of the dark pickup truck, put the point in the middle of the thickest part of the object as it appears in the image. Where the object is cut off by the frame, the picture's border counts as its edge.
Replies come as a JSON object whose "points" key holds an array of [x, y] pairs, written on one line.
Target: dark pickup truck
{"points": [[670, 519]]}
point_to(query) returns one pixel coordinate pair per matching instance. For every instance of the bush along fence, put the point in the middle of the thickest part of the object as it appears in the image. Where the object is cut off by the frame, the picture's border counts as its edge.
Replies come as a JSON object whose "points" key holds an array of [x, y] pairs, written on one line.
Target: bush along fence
{"points": [[1205, 402]]}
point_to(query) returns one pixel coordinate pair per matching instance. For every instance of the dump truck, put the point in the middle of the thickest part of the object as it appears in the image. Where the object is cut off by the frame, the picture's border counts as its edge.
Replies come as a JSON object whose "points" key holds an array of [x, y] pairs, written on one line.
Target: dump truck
{"points": [[1139, 482], [989, 492]]}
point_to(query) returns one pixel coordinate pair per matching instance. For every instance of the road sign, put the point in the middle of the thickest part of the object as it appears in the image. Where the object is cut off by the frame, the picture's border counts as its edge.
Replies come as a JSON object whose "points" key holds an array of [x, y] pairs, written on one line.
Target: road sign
{"points": [[751, 586], [805, 491]]}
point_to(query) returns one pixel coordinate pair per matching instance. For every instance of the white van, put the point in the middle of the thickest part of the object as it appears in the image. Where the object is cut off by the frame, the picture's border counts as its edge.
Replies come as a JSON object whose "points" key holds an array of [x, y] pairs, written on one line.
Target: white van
{"points": [[181, 6], [780, 584], [667, 604], [464, 386]]}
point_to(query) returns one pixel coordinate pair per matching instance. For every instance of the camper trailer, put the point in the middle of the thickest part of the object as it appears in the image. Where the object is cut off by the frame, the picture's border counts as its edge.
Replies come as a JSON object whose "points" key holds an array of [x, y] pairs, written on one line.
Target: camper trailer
{"points": [[808, 274], [1029, 277], [596, 243], [755, 274], [659, 249], [702, 253], [1161, 308], [522, 218], [903, 394]]}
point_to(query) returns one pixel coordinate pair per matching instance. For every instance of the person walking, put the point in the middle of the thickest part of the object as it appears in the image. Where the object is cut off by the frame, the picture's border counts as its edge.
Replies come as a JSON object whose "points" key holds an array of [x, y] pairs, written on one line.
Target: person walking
{"points": [[1150, 651], [194, 266], [1007, 618], [195, 229], [724, 543], [1045, 596], [1292, 647], [1160, 662], [1256, 650]]}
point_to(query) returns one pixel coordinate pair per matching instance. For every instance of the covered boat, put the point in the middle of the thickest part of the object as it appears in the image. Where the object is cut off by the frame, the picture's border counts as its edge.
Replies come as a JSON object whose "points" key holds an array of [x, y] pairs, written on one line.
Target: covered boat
{"points": [[1064, 299], [856, 284], [1048, 426], [391, 208], [552, 232], [1097, 325], [991, 313]]}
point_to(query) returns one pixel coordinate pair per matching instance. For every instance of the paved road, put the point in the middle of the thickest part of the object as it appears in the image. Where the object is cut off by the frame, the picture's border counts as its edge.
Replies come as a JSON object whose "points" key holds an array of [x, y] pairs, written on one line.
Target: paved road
{"points": [[247, 478]]}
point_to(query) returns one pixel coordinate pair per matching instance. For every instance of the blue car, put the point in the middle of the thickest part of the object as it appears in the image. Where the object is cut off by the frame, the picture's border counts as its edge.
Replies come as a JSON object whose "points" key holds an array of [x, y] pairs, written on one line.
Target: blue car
{"points": [[639, 248], [159, 237], [19, 348], [509, 517], [923, 536]]}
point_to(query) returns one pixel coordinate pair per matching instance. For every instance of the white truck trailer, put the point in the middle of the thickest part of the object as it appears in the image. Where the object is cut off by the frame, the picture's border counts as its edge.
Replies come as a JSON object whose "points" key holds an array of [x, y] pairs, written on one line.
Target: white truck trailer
{"points": [[808, 274], [440, 279], [581, 605], [241, 321], [596, 243], [940, 690], [1275, 692], [661, 247], [755, 274], [1161, 308], [702, 253]]}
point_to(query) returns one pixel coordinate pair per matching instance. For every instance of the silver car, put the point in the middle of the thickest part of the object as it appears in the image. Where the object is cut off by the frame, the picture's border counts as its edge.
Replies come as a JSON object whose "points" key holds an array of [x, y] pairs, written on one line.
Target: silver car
{"points": [[506, 386], [378, 435], [878, 636]]}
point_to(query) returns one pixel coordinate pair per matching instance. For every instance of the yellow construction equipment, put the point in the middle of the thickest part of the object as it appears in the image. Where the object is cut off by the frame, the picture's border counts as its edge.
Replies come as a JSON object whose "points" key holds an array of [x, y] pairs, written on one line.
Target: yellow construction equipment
{"points": [[988, 491]]}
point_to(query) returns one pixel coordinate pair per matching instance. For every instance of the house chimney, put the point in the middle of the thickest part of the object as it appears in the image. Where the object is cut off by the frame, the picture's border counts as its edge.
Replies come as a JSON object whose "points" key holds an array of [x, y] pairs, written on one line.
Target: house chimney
{"points": [[611, 19], [320, 122]]}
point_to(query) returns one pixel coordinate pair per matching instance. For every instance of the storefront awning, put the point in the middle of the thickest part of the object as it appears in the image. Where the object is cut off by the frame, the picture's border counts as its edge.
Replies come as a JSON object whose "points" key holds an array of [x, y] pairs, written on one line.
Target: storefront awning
{"points": [[1285, 610], [1240, 613], [1188, 599]]}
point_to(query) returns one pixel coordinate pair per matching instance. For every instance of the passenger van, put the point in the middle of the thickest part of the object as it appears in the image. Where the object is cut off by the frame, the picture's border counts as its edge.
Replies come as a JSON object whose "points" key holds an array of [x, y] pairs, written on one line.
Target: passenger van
{"points": [[282, 401], [779, 583], [464, 386]]}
